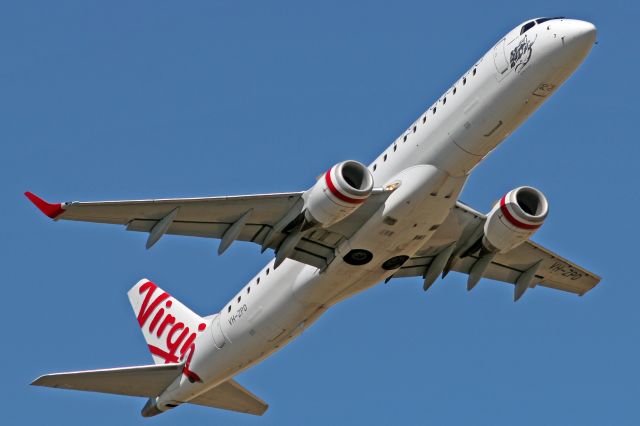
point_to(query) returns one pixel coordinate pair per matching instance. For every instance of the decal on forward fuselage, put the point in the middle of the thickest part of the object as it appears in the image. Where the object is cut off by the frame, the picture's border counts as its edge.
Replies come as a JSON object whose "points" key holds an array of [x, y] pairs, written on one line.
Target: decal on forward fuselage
{"points": [[521, 54]]}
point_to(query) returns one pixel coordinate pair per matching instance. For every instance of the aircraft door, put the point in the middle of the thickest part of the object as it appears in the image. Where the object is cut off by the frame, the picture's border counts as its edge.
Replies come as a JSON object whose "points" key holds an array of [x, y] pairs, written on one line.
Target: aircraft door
{"points": [[473, 129], [216, 330], [500, 59]]}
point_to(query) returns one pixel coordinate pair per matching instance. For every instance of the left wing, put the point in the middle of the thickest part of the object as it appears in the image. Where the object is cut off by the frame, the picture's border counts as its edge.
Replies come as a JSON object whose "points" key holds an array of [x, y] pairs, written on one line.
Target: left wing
{"points": [[264, 219], [526, 266]]}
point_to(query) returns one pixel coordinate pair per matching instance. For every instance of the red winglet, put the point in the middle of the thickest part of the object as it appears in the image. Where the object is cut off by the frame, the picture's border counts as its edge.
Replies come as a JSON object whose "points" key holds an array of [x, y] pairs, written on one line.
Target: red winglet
{"points": [[51, 210]]}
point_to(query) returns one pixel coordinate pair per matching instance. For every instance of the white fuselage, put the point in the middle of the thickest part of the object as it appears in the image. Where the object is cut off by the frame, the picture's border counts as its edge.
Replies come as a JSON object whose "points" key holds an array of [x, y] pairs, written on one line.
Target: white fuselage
{"points": [[431, 161]]}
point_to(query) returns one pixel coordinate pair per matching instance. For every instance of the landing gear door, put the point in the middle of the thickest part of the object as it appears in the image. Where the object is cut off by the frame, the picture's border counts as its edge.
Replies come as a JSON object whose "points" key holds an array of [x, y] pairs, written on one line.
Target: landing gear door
{"points": [[500, 60]]}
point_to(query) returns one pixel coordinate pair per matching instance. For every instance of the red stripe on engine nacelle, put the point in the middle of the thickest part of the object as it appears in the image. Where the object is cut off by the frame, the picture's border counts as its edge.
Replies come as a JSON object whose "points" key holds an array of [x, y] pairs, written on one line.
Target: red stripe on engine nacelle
{"points": [[515, 222], [339, 195]]}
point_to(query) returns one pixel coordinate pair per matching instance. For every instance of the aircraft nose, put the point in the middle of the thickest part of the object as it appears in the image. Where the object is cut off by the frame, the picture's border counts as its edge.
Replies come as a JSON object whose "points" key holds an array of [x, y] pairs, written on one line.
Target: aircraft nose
{"points": [[581, 35], [583, 31]]}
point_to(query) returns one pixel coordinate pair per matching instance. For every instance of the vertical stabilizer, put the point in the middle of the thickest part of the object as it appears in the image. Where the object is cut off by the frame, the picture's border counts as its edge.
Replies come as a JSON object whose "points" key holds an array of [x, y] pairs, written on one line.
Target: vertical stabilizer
{"points": [[169, 327]]}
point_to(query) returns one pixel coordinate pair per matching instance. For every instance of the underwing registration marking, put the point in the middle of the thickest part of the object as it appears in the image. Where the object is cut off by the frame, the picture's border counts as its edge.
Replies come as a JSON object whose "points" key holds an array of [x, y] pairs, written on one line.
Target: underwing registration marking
{"points": [[566, 271]]}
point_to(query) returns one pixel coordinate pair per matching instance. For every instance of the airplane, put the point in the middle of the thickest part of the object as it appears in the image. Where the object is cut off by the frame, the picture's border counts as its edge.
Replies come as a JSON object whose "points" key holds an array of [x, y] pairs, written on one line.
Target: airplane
{"points": [[355, 227]]}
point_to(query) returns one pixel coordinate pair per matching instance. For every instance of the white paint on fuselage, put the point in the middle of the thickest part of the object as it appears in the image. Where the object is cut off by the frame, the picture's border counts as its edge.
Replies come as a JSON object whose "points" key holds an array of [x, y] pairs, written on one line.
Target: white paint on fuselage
{"points": [[432, 161]]}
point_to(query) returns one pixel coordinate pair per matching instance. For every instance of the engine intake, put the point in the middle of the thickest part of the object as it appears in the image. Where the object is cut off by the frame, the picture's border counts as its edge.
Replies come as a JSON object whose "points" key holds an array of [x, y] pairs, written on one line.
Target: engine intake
{"points": [[516, 217], [338, 193]]}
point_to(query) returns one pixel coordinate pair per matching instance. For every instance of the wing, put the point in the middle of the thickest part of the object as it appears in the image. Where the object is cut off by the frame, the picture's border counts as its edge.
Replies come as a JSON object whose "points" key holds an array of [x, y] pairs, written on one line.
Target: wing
{"points": [[264, 219], [526, 266]]}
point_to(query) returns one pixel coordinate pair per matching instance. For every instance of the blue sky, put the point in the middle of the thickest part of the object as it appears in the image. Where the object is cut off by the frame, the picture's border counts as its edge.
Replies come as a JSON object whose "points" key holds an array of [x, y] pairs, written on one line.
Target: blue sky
{"points": [[119, 100]]}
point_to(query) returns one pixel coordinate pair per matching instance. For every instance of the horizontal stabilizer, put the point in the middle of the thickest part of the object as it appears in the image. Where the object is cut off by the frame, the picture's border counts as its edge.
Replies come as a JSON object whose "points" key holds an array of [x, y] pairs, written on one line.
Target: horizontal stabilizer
{"points": [[146, 381], [230, 395]]}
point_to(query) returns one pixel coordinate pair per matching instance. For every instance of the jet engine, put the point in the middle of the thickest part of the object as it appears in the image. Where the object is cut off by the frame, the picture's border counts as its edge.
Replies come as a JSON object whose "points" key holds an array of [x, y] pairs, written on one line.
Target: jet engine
{"points": [[338, 193], [514, 219]]}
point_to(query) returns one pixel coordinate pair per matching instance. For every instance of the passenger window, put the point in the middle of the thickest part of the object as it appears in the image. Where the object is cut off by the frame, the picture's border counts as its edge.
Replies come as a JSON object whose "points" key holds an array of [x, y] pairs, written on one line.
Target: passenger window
{"points": [[434, 110], [474, 71], [239, 297], [248, 290], [414, 129], [464, 81], [395, 147], [258, 281], [526, 27], [384, 158], [424, 119], [405, 138], [375, 166], [444, 101], [454, 90], [267, 271], [229, 308]]}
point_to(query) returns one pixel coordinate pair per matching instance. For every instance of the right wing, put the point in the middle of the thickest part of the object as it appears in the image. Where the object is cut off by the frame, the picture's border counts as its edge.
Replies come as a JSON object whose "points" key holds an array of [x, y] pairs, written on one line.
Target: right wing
{"points": [[264, 219]]}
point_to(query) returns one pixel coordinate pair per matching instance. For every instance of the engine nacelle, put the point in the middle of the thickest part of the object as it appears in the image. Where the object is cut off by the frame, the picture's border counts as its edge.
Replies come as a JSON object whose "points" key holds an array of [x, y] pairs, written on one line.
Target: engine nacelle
{"points": [[338, 193], [514, 219]]}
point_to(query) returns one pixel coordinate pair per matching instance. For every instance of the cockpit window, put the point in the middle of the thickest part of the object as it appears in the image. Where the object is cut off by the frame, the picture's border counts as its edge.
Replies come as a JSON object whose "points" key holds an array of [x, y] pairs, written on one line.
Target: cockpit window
{"points": [[526, 27], [541, 20]]}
